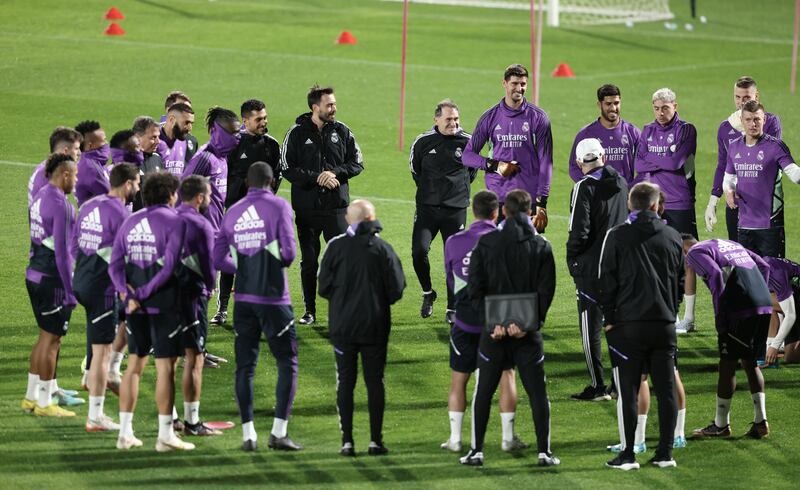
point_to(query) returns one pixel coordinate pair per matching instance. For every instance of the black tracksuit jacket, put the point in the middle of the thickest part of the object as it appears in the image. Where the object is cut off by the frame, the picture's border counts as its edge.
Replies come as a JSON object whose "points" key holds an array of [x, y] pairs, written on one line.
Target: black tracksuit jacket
{"points": [[441, 177]]}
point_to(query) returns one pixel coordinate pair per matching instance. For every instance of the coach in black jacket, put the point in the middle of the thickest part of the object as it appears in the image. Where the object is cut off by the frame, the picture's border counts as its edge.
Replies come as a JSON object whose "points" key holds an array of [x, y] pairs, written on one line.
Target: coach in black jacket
{"points": [[255, 145], [641, 277], [442, 198], [599, 202], [320, 156], [361, 276], [512, 260], [147, 130]]}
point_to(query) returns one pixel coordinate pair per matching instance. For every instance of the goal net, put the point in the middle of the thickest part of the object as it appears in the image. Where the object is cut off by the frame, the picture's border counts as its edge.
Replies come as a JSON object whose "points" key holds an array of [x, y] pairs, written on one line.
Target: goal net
{"points": [[576, 12]]}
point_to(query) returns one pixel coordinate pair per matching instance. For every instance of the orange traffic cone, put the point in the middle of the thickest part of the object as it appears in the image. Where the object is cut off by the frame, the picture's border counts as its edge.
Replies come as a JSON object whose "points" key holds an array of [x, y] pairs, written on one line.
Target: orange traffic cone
{"points": [[563, 71], [114, 14], [114, 30], [346, 38]]}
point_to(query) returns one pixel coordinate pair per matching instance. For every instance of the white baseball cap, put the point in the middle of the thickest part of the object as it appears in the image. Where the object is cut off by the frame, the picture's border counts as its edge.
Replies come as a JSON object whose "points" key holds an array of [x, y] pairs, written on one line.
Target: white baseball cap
{"points": [[589, 150]]}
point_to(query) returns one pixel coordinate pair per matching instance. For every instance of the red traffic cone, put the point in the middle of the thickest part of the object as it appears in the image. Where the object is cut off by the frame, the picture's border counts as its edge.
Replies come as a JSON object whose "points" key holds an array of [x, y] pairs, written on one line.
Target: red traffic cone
{"points": [[114, 14], [114, 30], [346, 38], [563, 71]]}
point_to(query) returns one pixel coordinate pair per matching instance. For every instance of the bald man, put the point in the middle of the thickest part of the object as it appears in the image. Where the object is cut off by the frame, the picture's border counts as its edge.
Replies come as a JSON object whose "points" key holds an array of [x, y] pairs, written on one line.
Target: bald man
{"points": [[361, 276]]}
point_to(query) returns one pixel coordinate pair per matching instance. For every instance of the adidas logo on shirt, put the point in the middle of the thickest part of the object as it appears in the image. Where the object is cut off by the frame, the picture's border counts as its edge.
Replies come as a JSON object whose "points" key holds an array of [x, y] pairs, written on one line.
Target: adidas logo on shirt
{"points": [[244, 155], [738, 156], [309, 142], [432, 152], [248, 220], [497, 128], [732, 131], [141, 232], [35, 215], [91, 222]]}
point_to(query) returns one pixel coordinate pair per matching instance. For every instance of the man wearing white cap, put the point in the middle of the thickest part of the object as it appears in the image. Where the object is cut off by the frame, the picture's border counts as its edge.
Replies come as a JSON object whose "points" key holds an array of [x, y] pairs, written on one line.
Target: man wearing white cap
{"points": [[599, 202]]}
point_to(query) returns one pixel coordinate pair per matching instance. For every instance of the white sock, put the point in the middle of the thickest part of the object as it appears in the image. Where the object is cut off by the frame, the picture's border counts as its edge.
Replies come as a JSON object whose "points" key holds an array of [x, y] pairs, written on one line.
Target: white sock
{"points": [[126, 424], [641, 428], [191, 412], [688, 312], [116, 363], [33, 383], [456, 419], [759, 407], [165, 431], [45, 395], [507, 421], [723, 416], [680, 422], [54, 387], [174, 412], [279, 427], [96, 407], [249, 431]]}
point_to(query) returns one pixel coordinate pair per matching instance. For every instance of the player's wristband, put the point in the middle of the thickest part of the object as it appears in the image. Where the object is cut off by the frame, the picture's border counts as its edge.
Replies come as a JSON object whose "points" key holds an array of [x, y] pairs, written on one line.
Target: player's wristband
{"points": [[491, 165], [774, 343], [541, 202]]}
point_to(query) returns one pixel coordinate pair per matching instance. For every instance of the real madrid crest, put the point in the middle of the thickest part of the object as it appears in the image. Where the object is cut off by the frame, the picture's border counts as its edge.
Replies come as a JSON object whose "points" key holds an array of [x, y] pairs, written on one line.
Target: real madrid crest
{"points": [[760, 155], [624, 139], [525, 126], [334, 137], [670, 138], [458, 152], [190, 144]]}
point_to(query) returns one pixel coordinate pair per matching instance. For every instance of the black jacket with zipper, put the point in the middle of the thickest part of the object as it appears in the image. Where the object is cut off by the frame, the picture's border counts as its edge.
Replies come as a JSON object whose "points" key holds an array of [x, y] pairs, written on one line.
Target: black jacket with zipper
{"points": [[361, 276], [641, 272], [307, 152], [251, 149], [440, 176]]}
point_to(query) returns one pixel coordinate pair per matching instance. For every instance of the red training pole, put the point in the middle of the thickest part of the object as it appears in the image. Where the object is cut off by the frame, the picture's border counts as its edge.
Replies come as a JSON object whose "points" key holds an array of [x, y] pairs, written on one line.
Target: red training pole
{"points": [[793, 82], [403, 76], [535, 75]]}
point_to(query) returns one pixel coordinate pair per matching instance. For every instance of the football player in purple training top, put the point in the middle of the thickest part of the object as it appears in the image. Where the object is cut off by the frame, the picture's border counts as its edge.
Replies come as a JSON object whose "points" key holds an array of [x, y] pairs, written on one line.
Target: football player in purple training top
{"points": [[144, 257], [737, 279], [784, 276], [465, 332], [62, 140], [92, 169], [744, 90], [665, 156], [173, 145], [211, 159], [98, 221], [753, 183], [520, 143], [618, 137]]}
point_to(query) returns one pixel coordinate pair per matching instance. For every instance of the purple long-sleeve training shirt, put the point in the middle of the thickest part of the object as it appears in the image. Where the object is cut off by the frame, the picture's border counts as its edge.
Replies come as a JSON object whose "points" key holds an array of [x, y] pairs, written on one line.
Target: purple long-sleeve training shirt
{"points": [[93, 174], [619, 143], [782, 273], [197, 247]]}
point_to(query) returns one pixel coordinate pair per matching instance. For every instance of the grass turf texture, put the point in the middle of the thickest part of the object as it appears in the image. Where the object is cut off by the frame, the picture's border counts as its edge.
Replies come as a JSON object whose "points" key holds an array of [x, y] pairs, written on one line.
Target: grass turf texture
{"points": [[58, 68]]}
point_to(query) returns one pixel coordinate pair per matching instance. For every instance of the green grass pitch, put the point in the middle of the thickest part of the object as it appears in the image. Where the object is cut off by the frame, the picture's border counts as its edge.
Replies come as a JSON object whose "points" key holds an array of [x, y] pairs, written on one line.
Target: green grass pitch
{"points": [[56, 67]]}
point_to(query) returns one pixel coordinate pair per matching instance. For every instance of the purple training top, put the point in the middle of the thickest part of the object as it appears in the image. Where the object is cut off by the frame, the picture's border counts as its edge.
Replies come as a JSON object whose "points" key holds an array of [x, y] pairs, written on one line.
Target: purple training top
{"points": [[758, 175], [726, 134], [521, 135], [173, 153], [51, 218], [256, 242], [93, 174], [782, 273], [197, 246], [146, 251], [457, 252], [736, 277], [619, 143], [665, 156], [36, 182], [98, 221]]}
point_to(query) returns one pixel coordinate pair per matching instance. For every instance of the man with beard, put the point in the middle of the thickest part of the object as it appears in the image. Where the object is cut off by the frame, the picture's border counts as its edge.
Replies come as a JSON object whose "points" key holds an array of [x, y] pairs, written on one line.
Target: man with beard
{"points": [[211, 159], [49, 281], [442, 197], [519, 135], [98, 221], [319, 157], [62, 140], [618, 137], [744, 90], [255, 145], [173, 145], [92, 170], [146, 129], [178, 97]]}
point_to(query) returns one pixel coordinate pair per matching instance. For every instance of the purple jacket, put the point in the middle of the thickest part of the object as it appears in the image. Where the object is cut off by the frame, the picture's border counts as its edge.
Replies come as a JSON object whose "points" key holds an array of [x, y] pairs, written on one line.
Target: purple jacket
{"points": [[782, 273], [93, 174], [758, 179], [726, 134], [36, 182], [96, 228], [256, 242], [173, 153], [736, 277], [457, 252], [197, 246], [521, 135], [52, 219], [146, 252], [620, 145], [665, 156]]}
